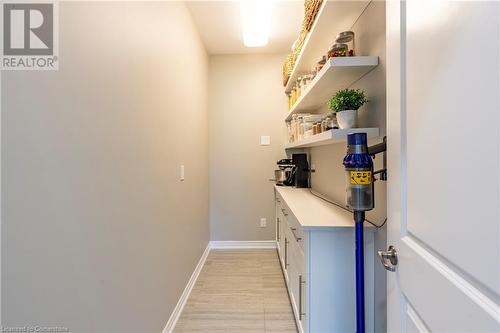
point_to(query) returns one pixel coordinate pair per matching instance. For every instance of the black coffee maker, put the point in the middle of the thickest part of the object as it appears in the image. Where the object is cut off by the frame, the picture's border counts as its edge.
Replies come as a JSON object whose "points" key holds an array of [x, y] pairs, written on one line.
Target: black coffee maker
{"points": [[299, 177]]}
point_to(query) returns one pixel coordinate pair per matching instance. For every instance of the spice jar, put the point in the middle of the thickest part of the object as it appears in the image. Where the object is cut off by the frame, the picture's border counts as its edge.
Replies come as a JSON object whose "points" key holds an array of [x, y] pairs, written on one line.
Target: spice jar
{"points": [[328, 122], [320, 64], [316, 128]]}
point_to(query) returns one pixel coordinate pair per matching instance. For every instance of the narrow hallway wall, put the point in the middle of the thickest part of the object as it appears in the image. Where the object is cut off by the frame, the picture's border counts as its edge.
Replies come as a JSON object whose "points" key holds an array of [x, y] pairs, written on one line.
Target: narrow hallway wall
{"points": [[246, 101], [98, 232]]}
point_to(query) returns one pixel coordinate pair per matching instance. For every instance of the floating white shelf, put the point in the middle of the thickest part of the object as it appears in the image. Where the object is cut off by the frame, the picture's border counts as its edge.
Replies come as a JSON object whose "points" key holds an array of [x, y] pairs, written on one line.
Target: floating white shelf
{"points": [[332, 136], [338, 73], [332, 18]]}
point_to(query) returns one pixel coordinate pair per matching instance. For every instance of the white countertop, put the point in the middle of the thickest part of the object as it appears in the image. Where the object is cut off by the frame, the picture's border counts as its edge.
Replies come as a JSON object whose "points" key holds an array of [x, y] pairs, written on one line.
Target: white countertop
{"points": [[313, 212]]}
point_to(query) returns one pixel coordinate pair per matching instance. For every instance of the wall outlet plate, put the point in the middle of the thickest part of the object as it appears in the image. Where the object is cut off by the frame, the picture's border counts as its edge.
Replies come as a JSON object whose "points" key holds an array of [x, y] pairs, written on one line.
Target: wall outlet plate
{"points": [[263, 222], [265, 140]]}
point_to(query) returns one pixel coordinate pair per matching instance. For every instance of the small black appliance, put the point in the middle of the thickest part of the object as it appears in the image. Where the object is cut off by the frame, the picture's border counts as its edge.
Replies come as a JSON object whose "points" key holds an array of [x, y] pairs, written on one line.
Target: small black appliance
{"points": [[297, 171]]}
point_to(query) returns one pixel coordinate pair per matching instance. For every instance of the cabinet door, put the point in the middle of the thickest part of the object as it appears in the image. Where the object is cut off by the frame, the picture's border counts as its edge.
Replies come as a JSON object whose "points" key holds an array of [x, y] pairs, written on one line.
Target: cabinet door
{"points": [[293, 273], [281, 225], [296, 278]]}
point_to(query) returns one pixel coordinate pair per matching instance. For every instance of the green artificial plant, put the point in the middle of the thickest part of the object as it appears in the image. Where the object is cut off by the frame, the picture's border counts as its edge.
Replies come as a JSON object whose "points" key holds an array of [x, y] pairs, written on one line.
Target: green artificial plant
{"points": [[347, 99]]}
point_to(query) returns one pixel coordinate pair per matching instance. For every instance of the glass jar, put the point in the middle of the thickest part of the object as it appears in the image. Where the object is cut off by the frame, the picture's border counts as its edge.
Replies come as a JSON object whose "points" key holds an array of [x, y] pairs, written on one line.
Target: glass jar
{"points": [[324, 123], [318, 127], [346, 37], [329, 122], [313, 73], [300, 127], [293, 124], [298, 84], [338, 50], [315, 128], [289, 132], [305, 83], [321, 62]]}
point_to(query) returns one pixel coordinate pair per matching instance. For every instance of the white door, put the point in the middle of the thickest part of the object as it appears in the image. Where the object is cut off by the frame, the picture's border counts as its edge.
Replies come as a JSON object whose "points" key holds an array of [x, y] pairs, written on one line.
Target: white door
{"points": [[444, 163]]}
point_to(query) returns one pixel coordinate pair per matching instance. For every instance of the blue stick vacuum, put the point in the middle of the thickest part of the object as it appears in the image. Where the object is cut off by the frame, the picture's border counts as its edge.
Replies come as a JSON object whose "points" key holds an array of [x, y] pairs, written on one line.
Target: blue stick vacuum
{"points": [[359, 198]]}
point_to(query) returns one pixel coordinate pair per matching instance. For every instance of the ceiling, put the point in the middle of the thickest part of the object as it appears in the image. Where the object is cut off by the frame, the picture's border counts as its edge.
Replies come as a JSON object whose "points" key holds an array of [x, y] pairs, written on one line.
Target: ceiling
{"points": [[219, 25]]}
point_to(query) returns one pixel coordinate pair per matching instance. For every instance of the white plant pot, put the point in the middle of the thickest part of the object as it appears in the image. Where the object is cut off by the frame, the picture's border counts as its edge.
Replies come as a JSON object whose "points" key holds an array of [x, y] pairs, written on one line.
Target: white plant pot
{"points": [[346, 119]]}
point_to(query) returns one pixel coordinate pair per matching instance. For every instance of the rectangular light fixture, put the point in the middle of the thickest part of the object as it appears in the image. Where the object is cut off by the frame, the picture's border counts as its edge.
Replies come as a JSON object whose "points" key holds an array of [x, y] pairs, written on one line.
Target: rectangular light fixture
{"points": [[255, 21]]}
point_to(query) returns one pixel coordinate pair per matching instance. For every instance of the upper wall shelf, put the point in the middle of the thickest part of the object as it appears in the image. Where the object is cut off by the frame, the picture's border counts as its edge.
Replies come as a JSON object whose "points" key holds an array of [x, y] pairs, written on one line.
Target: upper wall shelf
{"points": [[332, 18], [331, 137], [338, 73]]}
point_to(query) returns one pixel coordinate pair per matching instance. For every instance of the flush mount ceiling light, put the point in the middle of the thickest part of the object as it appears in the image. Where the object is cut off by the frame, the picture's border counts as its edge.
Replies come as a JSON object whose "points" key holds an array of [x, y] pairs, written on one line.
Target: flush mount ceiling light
{"points": [[255, 21]]}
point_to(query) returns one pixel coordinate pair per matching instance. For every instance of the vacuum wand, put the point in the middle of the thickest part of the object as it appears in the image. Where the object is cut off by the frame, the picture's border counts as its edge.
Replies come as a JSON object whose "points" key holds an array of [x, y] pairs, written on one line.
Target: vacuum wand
{"points": [[359, 218], [359, 197]]}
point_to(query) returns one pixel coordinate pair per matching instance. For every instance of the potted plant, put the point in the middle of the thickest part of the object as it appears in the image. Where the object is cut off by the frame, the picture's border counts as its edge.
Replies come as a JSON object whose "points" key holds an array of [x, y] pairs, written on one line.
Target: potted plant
{"points": [[345, 104]]}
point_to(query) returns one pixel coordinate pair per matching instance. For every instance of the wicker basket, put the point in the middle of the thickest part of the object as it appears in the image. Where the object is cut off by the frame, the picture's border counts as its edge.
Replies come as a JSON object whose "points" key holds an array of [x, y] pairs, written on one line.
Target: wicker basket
{"points": [[311, 8], [287, 68]]}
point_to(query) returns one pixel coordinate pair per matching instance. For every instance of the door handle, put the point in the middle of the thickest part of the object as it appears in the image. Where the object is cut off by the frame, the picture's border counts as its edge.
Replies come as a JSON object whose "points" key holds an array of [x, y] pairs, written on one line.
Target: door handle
{"points": [[286, 253], [301, 282], [278, 229], [389, 258]]}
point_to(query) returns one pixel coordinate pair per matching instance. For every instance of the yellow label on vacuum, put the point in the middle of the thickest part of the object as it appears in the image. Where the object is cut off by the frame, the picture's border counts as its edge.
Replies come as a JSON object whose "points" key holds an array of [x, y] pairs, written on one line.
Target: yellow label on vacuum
{"points": [[361, 177]]}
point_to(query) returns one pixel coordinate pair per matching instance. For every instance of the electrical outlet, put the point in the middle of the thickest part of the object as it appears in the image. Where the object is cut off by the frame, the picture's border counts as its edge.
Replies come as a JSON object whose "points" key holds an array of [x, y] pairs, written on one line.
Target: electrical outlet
{"points": [[263, 222]]}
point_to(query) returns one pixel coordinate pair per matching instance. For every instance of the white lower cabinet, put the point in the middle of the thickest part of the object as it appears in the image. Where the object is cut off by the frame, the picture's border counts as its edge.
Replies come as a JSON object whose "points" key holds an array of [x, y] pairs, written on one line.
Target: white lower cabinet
{"points": [[319, 268]]}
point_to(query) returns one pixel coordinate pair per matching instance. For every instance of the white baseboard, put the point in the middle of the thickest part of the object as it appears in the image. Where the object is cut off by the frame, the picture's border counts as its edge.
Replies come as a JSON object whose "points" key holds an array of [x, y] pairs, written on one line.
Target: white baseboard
{"points": [[243, 244], [185, 294], [189, 287]]}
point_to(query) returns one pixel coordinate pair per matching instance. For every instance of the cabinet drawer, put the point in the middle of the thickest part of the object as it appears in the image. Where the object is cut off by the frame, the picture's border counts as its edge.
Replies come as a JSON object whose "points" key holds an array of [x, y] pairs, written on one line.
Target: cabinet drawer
{"points": [[296, 280], [296, 231]]}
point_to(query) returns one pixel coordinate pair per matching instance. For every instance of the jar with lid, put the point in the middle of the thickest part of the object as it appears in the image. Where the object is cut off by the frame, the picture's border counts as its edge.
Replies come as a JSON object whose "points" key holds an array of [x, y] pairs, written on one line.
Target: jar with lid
{"points": [[320, 64], [346, 37], [298, 85], [313, 73], [305, 83], [300, 127], [319, 129], [316, 128], [328, 122], [310, 77], [289, 132], [292, 97], [307, 129], [338, 50], [293, 128], [324, 123]]}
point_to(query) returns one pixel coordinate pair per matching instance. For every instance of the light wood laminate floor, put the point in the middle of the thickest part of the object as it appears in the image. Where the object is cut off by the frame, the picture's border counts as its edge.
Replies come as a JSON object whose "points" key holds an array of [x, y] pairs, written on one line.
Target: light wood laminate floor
{"points": [[239, 291]]}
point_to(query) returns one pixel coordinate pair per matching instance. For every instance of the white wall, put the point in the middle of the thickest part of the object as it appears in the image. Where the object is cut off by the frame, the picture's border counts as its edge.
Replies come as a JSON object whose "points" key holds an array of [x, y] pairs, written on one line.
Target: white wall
{"points": [[329, 176], [246, 101], [98, 233]]}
